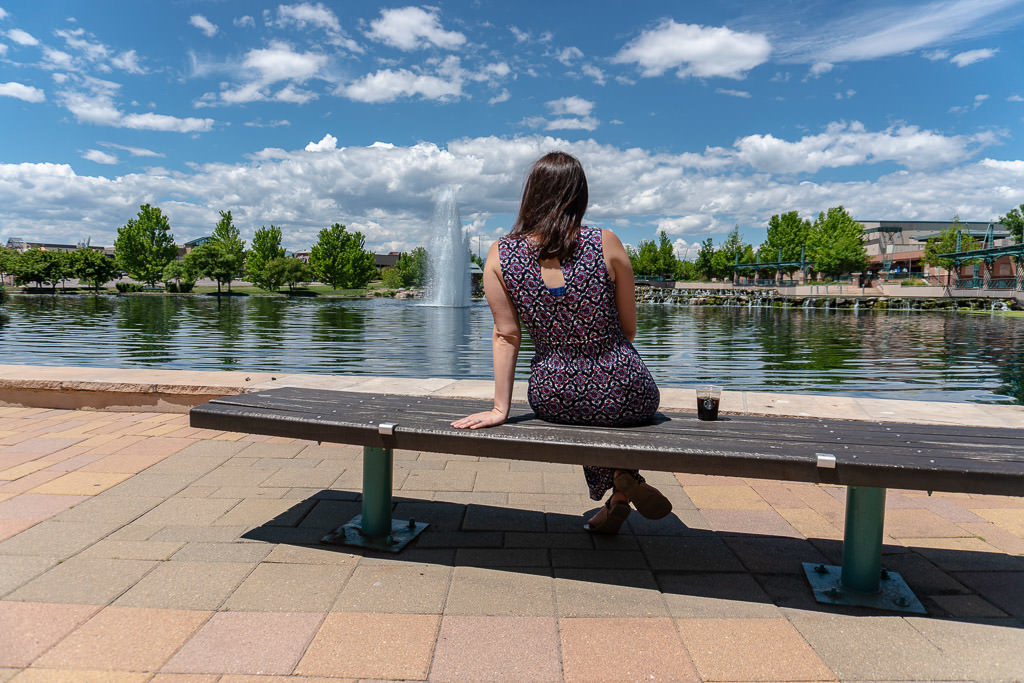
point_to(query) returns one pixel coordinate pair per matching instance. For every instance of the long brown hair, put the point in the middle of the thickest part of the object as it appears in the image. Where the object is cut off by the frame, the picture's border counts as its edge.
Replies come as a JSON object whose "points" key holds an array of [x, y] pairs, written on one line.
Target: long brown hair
{"points": [[554, 201]]}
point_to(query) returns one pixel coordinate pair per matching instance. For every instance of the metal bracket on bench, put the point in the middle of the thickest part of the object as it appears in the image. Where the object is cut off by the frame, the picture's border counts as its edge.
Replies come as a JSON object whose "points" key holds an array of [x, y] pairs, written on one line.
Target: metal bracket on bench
{"points": [[861, 581]]}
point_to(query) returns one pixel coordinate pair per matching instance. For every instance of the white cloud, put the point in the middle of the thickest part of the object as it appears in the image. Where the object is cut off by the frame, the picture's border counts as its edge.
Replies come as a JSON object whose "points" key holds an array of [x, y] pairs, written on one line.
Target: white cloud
{"points": [[892, 29], [327, 143], [389, 190], [568, 55], [58, 59], [573, 123], [936, 55], [20, 91], [16, 35], [3, 13], [307, 14], [208, 28], [820, 69], [410, 28], [3, 49], [128, 61], [388, 85], [594, 73], [134, 151], [1015, 98], [978, 101], [263, 68], [695, 51], [850, 144], [99, 157], [269, 124], [94, 103], [520, 35], [78, 40], [963, 59], [503, 96], [244, 21], [845, 95], [733, 93], [574, 106]]}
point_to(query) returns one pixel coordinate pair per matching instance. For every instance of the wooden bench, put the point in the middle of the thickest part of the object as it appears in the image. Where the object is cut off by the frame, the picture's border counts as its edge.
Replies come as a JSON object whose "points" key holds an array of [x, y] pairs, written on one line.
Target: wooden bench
{"points": [[867, 457]]}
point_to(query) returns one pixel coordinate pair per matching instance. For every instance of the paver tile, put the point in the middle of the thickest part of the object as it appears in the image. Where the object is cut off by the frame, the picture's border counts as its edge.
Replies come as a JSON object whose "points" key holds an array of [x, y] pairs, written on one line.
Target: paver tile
{"points": [[131, 550], [17, 570], [491, 592], [297, 554], [81, 483], [274, 512], [247, 643], [359, 645], [874, 648], [989, 650], [1010, 519], [773, 554], [125, 639], [290, 588], [620, 649], [78, 676], [54, 539], [118, 510], [919, 523], [497, 649], [409, 589], [31, 628], [186, 585], [1003, 589], [964, 607], [607, 593], [184, 511], [731, 522], [732, 497], [37, 506], [689, 553], [737, 650], [84, 581], [715, 595], [235, 551]]}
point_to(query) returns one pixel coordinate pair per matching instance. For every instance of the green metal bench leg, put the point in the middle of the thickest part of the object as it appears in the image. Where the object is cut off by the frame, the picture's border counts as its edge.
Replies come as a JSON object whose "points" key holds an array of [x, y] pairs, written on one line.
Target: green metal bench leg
{"points": [[374, 528], [861, 581]]}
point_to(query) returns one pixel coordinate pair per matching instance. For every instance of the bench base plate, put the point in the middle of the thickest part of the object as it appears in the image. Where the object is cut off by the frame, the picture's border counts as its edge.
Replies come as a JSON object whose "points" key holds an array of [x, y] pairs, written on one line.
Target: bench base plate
{"points": [[894, 594], [402, 532]]}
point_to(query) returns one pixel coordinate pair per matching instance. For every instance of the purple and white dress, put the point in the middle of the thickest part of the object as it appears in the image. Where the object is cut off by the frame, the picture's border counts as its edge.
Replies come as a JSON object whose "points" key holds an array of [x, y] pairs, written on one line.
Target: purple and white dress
{"points": [[584, 370]]}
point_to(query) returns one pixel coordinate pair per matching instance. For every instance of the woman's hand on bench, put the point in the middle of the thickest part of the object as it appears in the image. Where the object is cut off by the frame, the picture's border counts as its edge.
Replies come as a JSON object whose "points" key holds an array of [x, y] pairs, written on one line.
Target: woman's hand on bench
{"points": [[489, 418]]}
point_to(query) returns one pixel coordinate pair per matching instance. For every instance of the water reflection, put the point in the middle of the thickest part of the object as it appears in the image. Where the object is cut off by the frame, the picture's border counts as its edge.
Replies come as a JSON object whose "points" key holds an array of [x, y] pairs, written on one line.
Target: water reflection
{"points": [[919, 355]]}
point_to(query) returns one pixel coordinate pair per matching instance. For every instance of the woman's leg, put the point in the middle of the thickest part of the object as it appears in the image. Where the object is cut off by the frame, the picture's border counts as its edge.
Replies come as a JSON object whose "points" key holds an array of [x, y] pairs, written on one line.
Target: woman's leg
{"points": [[601, 479]]}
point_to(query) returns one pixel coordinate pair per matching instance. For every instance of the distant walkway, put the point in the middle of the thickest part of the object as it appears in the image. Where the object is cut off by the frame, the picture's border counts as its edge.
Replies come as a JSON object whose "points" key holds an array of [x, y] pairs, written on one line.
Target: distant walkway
{"points": [[135, 545]]}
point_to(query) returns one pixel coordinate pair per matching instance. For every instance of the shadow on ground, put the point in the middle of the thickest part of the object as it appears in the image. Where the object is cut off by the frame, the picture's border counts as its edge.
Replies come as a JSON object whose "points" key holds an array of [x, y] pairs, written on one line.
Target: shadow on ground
{"points": [[664, 555]]}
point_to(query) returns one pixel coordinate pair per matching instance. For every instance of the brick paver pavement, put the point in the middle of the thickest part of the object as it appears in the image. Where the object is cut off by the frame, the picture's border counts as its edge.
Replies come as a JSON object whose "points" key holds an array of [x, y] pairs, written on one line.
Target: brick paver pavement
{"points": [[133, 547]]}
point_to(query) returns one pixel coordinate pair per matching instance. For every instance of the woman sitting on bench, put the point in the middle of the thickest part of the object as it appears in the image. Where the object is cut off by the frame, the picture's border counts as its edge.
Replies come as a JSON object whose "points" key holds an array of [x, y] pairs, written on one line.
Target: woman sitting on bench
{"points": [[572, 287]]}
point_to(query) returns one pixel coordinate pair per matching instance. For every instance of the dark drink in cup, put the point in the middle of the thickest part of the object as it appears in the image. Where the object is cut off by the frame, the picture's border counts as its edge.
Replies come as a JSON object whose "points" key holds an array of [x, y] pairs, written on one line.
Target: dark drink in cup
{"points": [[708, 398]]}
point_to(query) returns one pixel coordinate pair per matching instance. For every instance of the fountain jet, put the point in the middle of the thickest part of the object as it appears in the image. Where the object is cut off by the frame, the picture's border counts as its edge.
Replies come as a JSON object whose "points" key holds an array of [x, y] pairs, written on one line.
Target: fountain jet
{"points": [[448, 271]]}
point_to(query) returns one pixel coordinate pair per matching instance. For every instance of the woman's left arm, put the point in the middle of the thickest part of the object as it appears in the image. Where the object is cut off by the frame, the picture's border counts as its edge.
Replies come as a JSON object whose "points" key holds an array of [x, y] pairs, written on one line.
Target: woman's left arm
{"points": [[505, 342]]}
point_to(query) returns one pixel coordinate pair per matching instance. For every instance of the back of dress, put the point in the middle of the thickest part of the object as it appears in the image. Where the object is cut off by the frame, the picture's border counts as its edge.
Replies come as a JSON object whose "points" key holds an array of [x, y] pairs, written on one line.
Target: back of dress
{"points": [[584, 371]]}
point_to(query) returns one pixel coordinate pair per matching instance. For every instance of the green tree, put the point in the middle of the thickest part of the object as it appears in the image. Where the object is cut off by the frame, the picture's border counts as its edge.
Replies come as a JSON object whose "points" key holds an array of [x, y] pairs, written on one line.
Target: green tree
{"points": [[392, 278], [40, 267], [266, 246], [212, 261], [703, 264], [8, 258], [339, 260], [946, 243], [182, 273], [93, 268], [145, 245], [413, 267], [686, 271], [787, 236], [287, 271], [666, 265], [836, 243], [227, 261], [1014, 222], [645, 260]]}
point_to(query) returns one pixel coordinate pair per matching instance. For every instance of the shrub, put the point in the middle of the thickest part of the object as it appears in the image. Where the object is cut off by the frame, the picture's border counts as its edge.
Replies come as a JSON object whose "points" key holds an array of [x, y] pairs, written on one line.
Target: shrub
{"points": [[125, 287]]}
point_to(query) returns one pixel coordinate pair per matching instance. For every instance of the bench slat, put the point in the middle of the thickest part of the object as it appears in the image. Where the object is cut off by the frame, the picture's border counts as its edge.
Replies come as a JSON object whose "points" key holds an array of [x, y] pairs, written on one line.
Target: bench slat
{"points": [[868, 454]]}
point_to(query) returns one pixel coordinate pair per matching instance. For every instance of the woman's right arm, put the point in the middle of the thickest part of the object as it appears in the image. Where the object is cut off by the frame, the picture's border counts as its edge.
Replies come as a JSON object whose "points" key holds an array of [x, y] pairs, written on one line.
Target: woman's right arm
{"points": [[621, 272], [505, 341]]}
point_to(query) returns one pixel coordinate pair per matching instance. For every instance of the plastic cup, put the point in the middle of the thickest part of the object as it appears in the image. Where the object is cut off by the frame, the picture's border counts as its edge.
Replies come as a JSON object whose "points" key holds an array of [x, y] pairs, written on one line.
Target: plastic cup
{"points": [[708, 398]]}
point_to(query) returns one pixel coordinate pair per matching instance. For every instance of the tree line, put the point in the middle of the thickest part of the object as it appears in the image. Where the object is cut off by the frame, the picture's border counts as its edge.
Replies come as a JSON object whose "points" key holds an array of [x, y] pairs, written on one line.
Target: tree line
{"points": [[145, 249], [833, 243]]}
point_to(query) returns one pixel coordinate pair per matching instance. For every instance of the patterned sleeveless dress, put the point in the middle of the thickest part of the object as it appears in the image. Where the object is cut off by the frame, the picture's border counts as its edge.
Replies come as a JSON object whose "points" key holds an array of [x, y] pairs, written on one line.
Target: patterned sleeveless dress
{"points": [[584, 370]]}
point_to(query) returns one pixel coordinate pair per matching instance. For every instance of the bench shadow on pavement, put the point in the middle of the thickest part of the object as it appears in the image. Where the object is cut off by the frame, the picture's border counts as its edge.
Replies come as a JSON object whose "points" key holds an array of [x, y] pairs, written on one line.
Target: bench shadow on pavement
{"points": [[664, 555]]}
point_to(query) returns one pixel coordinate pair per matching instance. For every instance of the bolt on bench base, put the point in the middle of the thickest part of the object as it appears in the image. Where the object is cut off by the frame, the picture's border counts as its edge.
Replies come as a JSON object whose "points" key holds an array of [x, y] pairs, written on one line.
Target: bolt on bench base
{"points": [[375, 529], [861, 581], [894, 594]]}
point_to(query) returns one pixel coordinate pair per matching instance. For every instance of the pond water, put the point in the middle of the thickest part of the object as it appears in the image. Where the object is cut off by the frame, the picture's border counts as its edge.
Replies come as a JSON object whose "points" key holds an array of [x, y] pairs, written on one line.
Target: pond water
{"points": [[900, 354]]}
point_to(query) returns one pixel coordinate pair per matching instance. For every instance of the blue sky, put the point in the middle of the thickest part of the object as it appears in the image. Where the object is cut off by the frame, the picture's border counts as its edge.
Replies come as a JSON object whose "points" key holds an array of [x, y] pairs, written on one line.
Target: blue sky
{"points": [[689, 117]]}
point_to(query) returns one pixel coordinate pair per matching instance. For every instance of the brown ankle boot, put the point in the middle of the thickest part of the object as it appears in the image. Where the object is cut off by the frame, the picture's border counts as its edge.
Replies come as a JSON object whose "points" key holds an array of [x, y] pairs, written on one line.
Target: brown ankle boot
{"points": [[609, 519]]}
